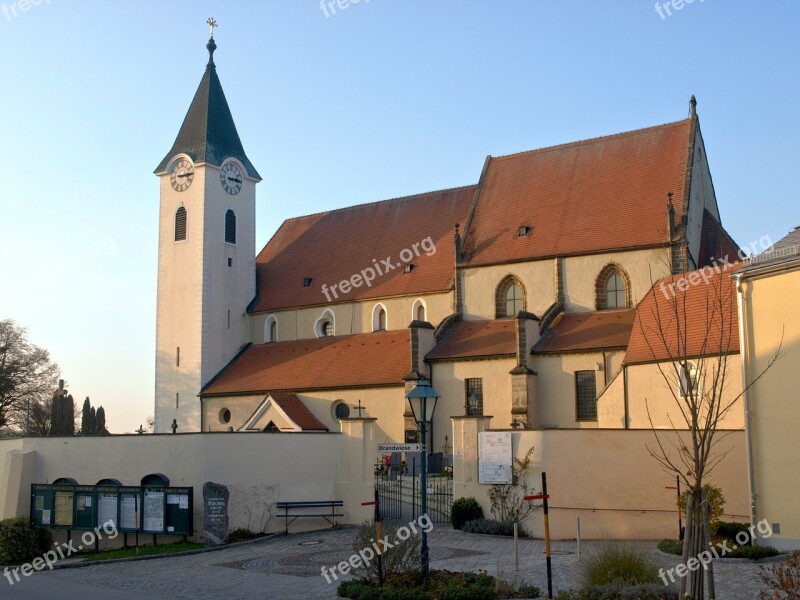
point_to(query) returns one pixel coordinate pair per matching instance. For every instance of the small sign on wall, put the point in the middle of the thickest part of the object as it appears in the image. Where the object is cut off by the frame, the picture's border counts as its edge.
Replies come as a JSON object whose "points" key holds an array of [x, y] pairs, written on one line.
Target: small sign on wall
{"points": [[494, 457]]}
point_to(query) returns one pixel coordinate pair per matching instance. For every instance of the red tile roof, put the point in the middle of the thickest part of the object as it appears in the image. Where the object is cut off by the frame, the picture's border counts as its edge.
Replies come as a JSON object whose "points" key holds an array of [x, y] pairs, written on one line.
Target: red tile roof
{"points": [[333, 246], [367, 359], [471, 339], [700, 321], [295, 410], [600, 194], [575, 332]]}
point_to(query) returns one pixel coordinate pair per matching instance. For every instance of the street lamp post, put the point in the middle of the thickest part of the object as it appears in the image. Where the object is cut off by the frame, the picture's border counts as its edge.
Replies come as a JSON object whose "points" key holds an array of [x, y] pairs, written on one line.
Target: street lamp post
{"points": [[423, 415]]}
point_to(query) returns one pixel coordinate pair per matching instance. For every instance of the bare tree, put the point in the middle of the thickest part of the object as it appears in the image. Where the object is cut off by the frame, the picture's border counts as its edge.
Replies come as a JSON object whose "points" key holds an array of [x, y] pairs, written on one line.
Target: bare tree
{"points": [[688, 323], [27, 376]]}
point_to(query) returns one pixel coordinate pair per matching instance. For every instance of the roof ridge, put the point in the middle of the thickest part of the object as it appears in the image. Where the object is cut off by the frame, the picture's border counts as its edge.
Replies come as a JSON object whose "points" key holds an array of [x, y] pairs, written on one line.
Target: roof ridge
{"points": [[412, 197], [601, 138]]}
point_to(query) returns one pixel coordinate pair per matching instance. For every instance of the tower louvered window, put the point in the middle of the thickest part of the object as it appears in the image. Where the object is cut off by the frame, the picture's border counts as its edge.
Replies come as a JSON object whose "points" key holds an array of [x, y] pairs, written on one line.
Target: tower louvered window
{"points": [[230, 227], [180, 224]]}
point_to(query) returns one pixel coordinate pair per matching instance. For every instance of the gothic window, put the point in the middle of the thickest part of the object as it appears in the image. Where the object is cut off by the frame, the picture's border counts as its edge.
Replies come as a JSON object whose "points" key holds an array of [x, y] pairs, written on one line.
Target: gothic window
{"points": [[613, 288], [271, 428], [688, 375], [379, 318], [271, 329], [509, 298]]}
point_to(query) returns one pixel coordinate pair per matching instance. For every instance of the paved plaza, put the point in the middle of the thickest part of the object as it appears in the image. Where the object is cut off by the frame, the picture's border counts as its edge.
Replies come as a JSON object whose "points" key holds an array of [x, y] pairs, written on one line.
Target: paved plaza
{"points": [[284, 567]]}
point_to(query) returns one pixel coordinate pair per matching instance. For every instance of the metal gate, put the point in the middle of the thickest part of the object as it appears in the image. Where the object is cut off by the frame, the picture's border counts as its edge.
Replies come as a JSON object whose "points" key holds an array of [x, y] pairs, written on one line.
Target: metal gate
{"points": [[400, 492]]}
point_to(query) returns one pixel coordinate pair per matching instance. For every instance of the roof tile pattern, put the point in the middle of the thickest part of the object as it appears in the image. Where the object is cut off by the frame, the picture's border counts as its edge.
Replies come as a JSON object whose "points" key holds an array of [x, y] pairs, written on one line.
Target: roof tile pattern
{"points": [[368, 359], [600, 194], [333, 246], [576, 332], [297, 411], [684, 317], [472, 339]]}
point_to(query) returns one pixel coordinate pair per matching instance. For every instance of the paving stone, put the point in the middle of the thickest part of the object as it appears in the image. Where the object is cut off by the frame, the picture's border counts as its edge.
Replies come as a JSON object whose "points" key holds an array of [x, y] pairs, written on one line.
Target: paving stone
{"points": [[289, 567]]}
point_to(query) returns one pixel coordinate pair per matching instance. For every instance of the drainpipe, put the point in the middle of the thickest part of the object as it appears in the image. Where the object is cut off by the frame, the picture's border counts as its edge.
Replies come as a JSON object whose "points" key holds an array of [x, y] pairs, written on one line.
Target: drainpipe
{"points": [[748, 414]]}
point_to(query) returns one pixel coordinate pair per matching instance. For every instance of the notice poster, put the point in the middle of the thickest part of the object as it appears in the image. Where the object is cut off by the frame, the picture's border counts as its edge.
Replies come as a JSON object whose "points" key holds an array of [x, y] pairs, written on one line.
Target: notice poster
{"points": [[64, 509], [84, 502], [129, 509], [153, 511], [494, 457], [173, 498], [107, 509], [39, 502], [45, 517], [184, 502]]}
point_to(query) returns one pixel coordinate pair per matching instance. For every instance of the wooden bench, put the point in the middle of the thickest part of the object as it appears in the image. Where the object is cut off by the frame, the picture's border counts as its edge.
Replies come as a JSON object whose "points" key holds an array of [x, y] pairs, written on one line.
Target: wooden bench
{"points": [[330, 517]]}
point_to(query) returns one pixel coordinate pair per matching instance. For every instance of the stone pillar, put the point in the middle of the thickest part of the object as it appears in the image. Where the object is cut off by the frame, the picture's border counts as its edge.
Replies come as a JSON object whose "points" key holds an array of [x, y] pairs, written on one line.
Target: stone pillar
{"points": [[19, 471], [356, 481], [523, 378], [465, 456]]}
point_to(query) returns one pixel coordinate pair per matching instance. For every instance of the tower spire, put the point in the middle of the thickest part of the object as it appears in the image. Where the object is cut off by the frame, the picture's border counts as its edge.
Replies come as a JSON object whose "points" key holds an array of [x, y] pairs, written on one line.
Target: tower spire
{"points": [[211, 45]]}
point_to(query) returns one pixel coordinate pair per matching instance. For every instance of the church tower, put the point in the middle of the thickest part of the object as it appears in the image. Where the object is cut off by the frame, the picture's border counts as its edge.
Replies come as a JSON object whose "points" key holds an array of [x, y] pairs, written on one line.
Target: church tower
{"points": [[206, 253]]}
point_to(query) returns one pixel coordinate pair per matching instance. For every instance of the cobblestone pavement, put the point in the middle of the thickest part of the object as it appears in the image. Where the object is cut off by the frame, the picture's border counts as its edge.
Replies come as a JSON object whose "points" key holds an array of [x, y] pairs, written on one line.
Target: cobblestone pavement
{"points": [[289, 567]]}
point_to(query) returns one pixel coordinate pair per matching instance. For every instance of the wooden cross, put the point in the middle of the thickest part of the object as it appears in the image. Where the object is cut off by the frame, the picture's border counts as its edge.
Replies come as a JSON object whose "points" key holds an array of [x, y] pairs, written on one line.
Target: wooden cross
{"points": [[212, 22], [359, 408]]}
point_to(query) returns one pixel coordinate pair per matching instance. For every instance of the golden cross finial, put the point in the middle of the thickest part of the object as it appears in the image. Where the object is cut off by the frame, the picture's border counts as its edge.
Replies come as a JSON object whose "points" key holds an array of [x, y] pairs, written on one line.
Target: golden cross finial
{"points": [[212, 22]]}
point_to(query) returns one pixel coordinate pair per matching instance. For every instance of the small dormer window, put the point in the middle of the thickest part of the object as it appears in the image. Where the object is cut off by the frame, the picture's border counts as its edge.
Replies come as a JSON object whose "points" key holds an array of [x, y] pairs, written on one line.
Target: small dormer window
{"points": [[307, 282], [408, 268], [523, 230]]}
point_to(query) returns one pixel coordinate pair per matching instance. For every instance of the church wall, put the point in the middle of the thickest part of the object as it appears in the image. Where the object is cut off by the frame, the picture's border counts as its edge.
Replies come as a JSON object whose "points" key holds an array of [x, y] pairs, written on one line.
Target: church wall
{"points": [[555, 387], [642, 266], [350, 317], [480, 285], [605, 477], [645, 382], [449, 380], [387, 404]]}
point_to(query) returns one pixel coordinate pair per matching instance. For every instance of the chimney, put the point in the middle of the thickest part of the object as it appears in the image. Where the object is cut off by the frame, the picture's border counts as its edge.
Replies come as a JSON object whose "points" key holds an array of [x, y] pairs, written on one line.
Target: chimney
{"points": [[693, 107]]}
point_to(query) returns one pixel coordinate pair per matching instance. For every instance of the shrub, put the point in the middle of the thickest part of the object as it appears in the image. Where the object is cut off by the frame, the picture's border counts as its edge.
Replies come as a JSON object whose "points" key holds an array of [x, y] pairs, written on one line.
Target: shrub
{"points": [[19, 542], [671, 547], [441, 585], [729, 530], [491, 527], [753, 552], [620, 592], [463, 510], [619, 563], [242, 535], [783, 578], [508, 503], [402, 557], [716, 505]]}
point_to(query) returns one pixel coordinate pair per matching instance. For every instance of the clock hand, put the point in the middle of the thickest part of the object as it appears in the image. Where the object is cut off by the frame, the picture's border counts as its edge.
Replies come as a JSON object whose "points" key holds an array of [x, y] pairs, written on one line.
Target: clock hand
{"points": [[234, 179], [186, 175]]}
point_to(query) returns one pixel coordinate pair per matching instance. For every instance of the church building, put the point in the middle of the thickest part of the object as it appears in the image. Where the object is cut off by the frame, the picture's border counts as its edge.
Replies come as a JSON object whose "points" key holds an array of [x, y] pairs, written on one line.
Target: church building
{"points": [[515, 295]]}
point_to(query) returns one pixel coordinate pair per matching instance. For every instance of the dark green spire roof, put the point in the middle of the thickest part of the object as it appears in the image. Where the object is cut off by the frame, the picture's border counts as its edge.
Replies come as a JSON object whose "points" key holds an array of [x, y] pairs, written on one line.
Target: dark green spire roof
{"points": [[208, 133]]}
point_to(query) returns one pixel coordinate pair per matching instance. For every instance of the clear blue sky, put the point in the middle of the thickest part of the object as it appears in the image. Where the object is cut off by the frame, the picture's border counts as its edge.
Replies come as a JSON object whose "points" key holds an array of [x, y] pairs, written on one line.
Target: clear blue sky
{"points": [[382, 99]]}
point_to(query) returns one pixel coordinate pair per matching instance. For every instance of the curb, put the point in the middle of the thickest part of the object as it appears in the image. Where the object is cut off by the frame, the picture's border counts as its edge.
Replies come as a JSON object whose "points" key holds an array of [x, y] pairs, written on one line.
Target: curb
{"points": [[83, 563]]}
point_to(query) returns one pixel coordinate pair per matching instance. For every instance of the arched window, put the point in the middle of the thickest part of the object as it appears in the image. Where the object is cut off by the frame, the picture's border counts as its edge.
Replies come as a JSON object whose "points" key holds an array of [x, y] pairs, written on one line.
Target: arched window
{"points": [[271, 428], [379, 318], [325, 325], [180, 224], [271, 330], [613, 288], [509, 298], [418, 311], [230, 227]]}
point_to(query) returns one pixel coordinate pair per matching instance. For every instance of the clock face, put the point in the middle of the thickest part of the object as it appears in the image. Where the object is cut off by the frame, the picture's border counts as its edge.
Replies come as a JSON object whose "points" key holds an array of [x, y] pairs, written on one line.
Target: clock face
{"points": [[182, 175], [231, 178]]}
